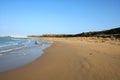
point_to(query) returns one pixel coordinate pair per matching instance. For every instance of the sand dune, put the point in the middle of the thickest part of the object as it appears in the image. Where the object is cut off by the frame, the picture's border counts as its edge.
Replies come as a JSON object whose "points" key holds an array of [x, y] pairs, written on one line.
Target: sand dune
{"points": [[71, 59]]}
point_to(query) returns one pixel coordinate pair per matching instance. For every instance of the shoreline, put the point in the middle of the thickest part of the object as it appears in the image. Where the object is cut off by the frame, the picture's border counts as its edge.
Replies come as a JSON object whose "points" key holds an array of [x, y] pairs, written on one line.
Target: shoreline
{"points": [[14, 56], [71, 59]]}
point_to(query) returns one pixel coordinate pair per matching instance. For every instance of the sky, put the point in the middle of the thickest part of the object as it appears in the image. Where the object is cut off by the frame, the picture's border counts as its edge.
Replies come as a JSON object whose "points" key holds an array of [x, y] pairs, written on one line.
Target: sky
{"points": [[37, 17]]}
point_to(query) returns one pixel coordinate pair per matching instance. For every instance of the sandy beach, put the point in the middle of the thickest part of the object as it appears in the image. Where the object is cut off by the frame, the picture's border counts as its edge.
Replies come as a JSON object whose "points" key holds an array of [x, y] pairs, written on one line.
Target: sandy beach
{"points": [[72, 59]]}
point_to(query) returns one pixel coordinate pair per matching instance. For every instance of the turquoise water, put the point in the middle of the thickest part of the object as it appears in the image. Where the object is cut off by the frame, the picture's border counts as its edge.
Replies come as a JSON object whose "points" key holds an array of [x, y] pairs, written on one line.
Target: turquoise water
{"points": [[17, 52]]}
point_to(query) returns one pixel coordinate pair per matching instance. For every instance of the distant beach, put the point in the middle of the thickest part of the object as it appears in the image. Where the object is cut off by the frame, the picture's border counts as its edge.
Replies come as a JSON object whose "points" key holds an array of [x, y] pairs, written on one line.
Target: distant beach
{"points": [[72, 59]]}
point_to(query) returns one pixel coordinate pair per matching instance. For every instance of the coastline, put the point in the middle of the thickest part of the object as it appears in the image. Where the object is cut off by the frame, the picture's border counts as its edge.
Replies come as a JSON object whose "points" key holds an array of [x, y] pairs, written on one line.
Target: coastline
{"points": [[20, 53], [71, 59]]}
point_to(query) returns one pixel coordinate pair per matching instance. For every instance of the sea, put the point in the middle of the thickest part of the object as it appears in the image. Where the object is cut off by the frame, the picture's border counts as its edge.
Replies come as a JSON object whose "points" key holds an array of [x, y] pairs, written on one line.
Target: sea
{"points": [[17, 52]]}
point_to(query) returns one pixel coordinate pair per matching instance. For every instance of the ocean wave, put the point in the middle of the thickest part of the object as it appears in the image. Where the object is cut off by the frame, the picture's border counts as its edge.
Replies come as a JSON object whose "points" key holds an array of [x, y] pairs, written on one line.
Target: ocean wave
{"points": [[11, 47], [27, 43], [8, 50], [8, 45], [1, 54], [15, 39]]}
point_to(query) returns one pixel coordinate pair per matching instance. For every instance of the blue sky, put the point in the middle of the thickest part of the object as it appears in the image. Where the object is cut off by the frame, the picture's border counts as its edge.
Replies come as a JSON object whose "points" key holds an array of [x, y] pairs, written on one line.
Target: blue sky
{"points": [[36, 17]]}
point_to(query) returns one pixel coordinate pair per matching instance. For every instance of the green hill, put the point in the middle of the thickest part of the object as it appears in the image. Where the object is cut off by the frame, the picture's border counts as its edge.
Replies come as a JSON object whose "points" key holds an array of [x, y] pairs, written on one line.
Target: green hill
{"points": [[105, 33], [111, 33]]}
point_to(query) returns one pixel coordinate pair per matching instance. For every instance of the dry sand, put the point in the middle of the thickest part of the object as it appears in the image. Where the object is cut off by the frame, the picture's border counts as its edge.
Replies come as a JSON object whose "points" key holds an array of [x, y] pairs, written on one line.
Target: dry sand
{"points": [[71, 59]]}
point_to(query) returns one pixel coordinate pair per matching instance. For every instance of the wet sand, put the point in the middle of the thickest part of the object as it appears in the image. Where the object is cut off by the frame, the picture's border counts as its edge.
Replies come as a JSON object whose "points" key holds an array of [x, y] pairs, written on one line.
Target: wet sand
{"points": [[71, 59]]}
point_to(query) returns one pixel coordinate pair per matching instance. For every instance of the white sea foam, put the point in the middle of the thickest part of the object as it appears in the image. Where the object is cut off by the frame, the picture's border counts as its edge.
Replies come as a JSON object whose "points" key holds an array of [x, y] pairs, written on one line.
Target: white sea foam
{"points": [[8, 50], [1, 54], [15, 39], [9, 45], [15, 46], [27, 42]]}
